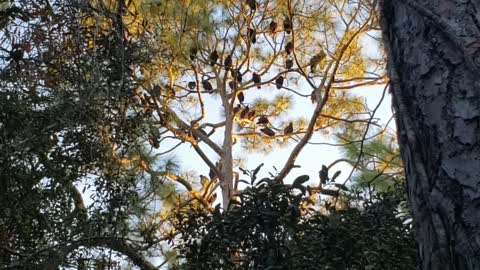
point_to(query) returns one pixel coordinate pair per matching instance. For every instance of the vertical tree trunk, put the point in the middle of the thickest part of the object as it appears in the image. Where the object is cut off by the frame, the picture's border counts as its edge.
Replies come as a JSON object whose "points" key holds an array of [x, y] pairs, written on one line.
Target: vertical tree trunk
{"points": [[434, 62]]}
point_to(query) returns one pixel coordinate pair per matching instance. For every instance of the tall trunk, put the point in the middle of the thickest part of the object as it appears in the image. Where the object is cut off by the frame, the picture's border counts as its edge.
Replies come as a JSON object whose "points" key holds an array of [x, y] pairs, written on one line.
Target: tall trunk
{"points": [[434, 62], [226, 178]]}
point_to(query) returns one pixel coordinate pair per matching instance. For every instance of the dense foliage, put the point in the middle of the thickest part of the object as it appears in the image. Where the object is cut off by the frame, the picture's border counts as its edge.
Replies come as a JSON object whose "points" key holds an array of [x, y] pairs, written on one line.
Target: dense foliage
{"points": [[275, 226], [96, 95]]}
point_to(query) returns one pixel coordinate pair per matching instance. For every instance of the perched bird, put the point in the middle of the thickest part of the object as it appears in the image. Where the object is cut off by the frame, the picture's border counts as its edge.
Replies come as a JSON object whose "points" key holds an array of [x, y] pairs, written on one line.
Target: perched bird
{"points": [[287, 25], [256, 79], [251, 35], [317, 59], [244, 112], [240, 97], [263, 120], [228, 62], [289, 63], [154, 142], [232, 85], [279, 82], [273, 27], [289, 47], [267, 131], [156, 90], [193, 53], [313, 97], [192, 85], [252, 4], [250, 115], [213, 58], [237, 109], [237, 75], [207, 86], [288, 129]]}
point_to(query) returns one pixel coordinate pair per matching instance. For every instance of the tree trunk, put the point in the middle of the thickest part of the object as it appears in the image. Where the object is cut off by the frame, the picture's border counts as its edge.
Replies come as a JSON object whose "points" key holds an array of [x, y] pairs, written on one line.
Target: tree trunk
{"points": [[434, 62]]}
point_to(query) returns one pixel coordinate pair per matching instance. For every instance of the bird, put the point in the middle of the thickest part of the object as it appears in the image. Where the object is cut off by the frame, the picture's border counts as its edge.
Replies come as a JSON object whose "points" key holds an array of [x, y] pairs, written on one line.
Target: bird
{"points": [[244, 112], [154, 142], [251, 35], [317, 59], [232, 85], [256, 79], [268, 131], [263, 120], [156, 90], [250, 115], [207, 85], [289, 63], [273, 27], [192, 85], [237, 109], [288, 129], [193, 53], [237, 75], [252, 4], [228, 62], [213, 58], [289, 47], [287, 25], [279, 82], [241, 97]]}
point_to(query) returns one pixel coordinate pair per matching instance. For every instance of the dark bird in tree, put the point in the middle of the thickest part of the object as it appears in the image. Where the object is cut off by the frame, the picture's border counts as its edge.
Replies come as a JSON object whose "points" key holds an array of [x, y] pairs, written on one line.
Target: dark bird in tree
{"points": [[267, 131], [273, 27], [156, 91], [289, 47], [192, 85], [313, 97], [240, 97], [317, 59], [279, 82], [207, 86], [213, 58], [256, 79], [193, 53], [244, 112], [250, 115], [154, 142], [263, 120], [287, 25], [232, 85], [237, 75], [228, 62], [289, 64], [252, 4], [237, 109], [288, 129], [252, 35]]}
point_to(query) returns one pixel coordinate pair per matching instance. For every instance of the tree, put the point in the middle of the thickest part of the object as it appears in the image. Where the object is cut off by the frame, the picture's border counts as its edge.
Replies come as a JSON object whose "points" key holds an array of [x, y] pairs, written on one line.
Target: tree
{"points": [[432, 49], [250, 59], [93, 93], [73, 129]]}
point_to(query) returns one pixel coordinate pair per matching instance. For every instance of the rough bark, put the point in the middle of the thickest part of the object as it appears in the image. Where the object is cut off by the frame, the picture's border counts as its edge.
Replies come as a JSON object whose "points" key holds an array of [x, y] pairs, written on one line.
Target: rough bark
{"points": [[434, 62]]}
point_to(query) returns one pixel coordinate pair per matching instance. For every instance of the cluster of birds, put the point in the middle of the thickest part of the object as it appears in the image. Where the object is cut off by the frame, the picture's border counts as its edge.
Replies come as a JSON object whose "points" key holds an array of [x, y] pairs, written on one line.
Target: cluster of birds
{"points": [[243, 111]]}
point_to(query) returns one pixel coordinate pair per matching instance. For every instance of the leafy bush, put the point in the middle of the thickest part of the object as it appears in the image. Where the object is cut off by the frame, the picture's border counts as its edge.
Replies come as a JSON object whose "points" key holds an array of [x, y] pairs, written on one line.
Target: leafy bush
{"points": [[275, 226]]}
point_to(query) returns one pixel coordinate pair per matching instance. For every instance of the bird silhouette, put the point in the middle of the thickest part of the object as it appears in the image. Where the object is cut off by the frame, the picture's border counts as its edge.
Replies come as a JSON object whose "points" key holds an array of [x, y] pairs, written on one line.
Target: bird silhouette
{"points": [[213, 58], [256, 79], [279, 82]]}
